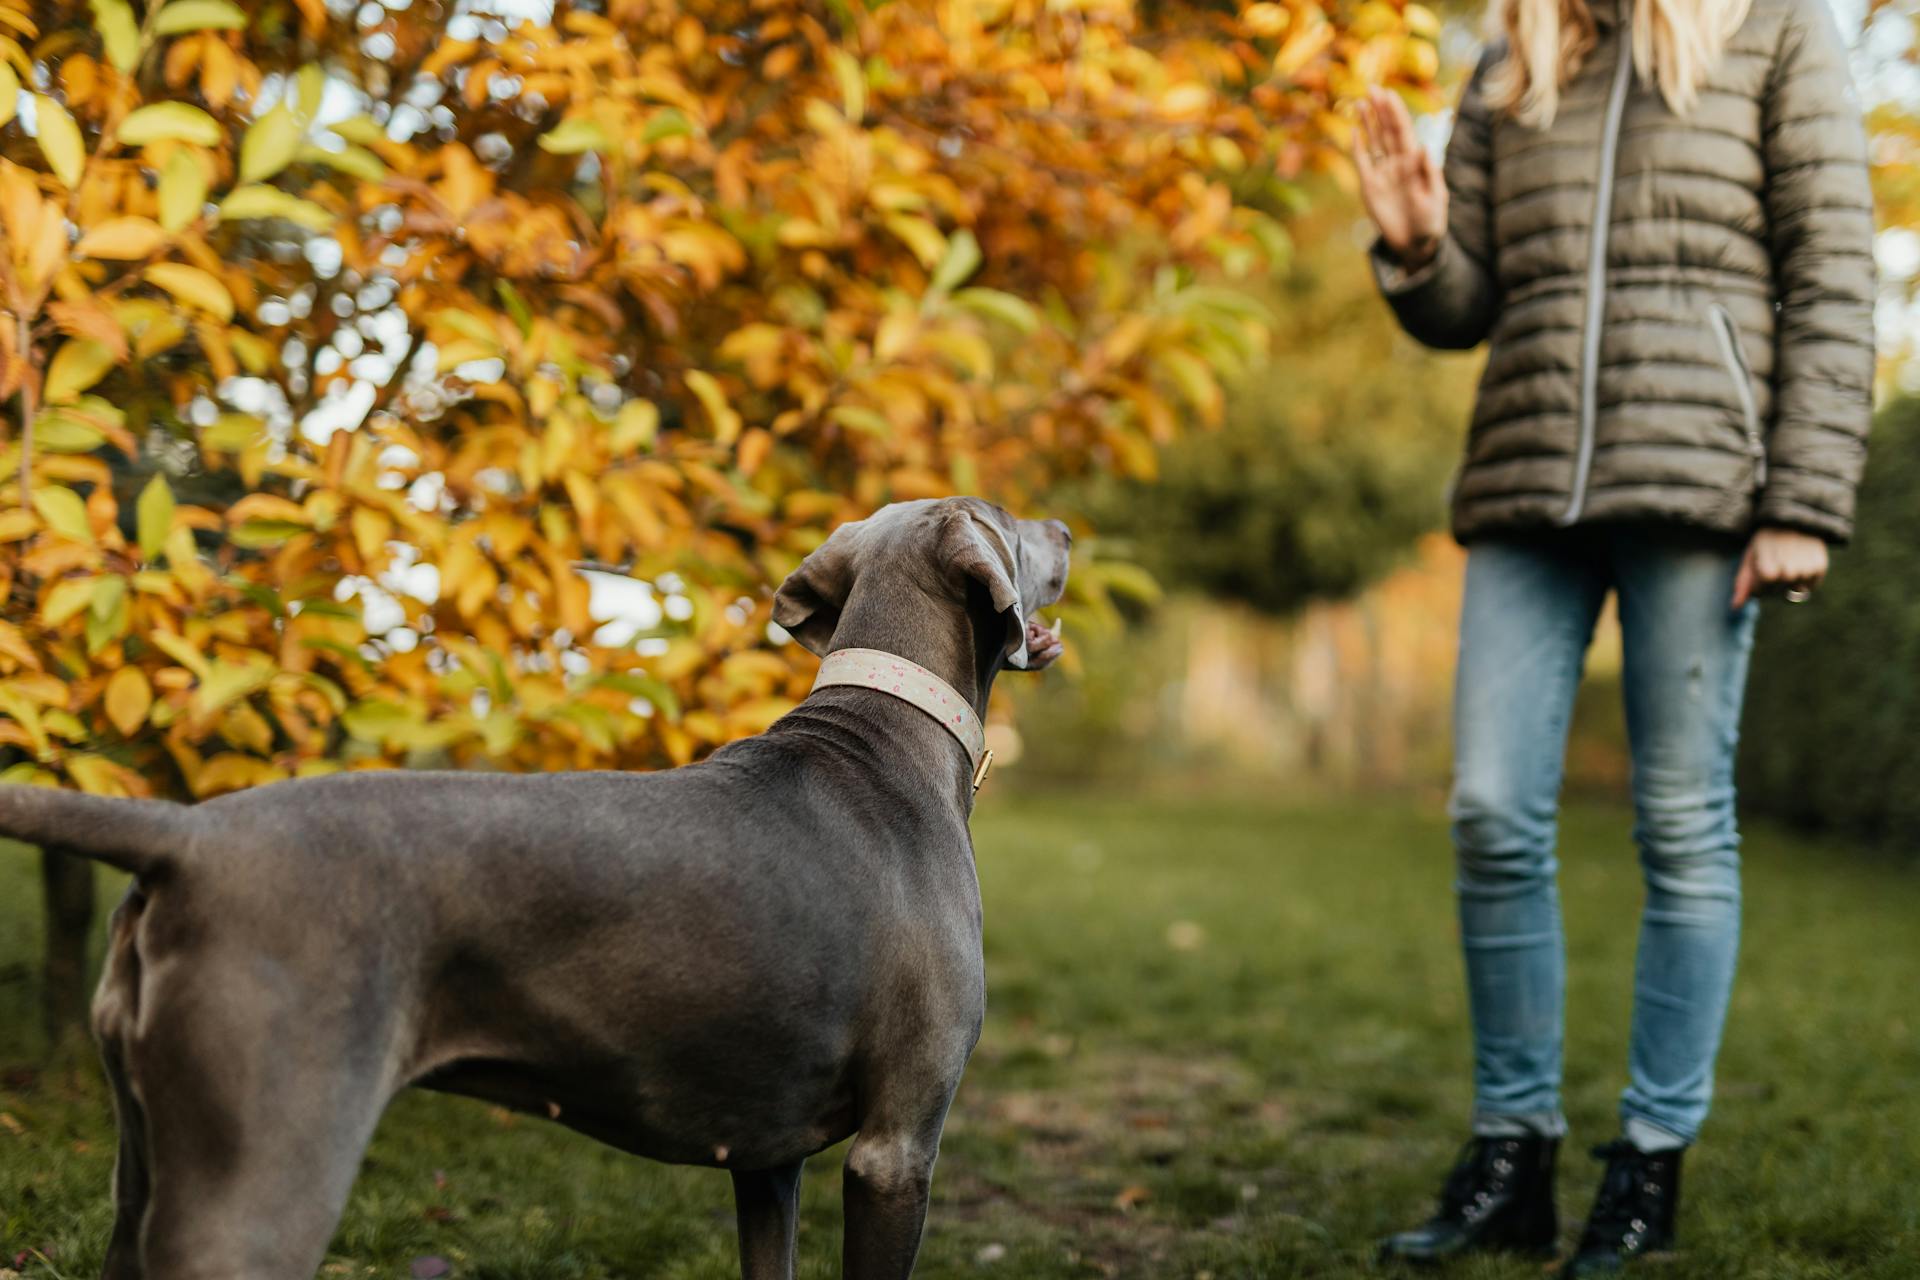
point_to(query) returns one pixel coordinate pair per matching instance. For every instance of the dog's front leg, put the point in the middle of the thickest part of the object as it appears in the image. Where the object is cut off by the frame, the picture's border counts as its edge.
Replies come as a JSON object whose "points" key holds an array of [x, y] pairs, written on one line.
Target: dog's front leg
{"points": [[767, 1204], [888, 1179]]}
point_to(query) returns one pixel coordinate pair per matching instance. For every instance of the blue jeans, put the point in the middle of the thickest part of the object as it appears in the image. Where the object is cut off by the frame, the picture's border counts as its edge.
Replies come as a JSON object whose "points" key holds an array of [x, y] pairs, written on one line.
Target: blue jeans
{"points": [[1529, 612]]}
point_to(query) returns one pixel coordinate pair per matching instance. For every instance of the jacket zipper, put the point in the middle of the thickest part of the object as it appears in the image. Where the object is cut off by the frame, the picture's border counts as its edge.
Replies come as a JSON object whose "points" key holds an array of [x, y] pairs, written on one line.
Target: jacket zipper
{"points": [[1597, 265], [1720, 320]]}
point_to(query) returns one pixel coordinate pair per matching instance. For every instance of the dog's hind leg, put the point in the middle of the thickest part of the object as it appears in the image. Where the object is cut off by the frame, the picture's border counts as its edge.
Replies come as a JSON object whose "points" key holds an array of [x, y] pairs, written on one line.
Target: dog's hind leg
{"points": [[259, 1108], [767, 1205], [131, 1176], [115, 1006]]}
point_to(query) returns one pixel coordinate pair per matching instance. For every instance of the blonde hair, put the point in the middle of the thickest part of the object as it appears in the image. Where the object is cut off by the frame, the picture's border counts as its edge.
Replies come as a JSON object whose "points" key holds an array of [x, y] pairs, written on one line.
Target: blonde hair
{"points": [[1676, 44]]}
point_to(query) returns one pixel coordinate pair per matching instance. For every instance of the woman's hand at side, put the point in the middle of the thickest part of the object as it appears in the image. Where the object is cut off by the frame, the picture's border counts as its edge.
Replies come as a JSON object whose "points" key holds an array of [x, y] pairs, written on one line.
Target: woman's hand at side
{"points": [[1780, 560], [1400, 182]]}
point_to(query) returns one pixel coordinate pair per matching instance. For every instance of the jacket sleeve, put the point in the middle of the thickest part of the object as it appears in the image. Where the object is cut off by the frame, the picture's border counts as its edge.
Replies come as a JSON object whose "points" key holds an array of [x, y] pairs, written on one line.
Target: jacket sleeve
{"points": [[1820, 229], [1453, 300]]}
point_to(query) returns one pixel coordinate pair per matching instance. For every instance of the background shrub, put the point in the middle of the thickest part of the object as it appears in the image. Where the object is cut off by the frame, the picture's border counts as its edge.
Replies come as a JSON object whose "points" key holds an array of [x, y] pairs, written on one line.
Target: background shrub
{"points": [[1834, 708]]}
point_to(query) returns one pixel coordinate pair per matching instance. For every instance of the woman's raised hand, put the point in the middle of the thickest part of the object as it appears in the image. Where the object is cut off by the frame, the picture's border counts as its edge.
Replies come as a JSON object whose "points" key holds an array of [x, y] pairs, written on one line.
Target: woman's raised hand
{"points": [[1403, 189]]}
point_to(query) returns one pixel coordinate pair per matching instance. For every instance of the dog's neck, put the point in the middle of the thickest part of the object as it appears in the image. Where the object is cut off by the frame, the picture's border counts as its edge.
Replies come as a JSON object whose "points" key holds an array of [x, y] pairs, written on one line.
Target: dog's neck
{"points": [[937, 635], [934, 634]]}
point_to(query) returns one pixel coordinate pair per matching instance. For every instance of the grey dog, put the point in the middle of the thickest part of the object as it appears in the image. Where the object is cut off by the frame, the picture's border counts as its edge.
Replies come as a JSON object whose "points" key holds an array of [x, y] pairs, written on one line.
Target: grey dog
{"points": [[735, 964]]}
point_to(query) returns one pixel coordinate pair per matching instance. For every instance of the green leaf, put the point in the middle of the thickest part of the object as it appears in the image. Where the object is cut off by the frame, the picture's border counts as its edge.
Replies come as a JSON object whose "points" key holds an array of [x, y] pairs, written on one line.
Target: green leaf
{"points": [[962, 259], [57, 431], [859, 418], [670, 122], [183, 190], [170, 122], [67, 599], [373, 719], [59, 140], [516, 306], [263, 201], [109, 591], [998, 305], [571, 137], [119, 33], [1129, 580], [255, 534], [183, 16], [270, 144], [356, 162], [77, 365], [64, 512], [155, 517], [638, 685]]}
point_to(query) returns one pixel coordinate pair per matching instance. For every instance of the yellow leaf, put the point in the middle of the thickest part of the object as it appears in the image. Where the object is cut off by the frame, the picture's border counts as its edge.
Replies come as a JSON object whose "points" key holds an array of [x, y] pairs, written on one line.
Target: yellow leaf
{"points": [[66, 600], [118, 32], [97, 775], [59, 140], [183, 190], [183, 16], [193, 286], [227, 682], [156, 517], [571, 137], [9, 94], [269, 146], [126, 238], [17, 524], [231, 771], [263, 201], [177, 648], [853, 84], [129, 698], [706, 388], [921, 236], [170, 122], [77, 365], [64, 512]]}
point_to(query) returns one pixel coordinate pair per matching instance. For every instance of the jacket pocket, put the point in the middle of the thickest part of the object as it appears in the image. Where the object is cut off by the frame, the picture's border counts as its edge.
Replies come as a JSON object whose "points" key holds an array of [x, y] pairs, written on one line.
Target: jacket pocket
{"points": [[1727, 338]]}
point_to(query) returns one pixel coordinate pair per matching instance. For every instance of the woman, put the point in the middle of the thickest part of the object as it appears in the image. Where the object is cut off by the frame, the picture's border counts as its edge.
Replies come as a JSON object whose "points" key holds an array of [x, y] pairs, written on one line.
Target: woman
{"points": [[1656, 213]]}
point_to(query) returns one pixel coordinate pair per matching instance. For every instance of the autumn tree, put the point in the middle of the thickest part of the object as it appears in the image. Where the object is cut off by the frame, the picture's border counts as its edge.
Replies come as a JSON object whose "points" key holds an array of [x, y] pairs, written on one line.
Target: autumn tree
{"points": [[359, 356]]}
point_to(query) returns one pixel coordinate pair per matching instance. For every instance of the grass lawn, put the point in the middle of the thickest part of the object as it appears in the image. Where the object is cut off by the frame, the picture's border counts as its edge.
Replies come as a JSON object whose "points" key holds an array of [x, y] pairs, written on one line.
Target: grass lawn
{"points": [[1226, 1039]]}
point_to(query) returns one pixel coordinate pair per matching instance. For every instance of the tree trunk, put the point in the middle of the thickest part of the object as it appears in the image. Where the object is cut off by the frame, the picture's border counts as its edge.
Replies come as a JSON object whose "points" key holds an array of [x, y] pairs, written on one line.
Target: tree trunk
{"points": [[69, 905]]}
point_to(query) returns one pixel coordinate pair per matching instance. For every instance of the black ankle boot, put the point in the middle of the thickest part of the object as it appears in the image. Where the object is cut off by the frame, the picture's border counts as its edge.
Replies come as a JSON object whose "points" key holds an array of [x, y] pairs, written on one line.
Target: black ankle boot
{"points": [[1633, 1214], [1498, 1197]]}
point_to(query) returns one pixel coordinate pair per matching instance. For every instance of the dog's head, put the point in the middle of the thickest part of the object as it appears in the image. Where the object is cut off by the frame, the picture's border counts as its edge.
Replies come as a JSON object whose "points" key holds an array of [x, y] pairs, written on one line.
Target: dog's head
{"points": [[962, 550]]}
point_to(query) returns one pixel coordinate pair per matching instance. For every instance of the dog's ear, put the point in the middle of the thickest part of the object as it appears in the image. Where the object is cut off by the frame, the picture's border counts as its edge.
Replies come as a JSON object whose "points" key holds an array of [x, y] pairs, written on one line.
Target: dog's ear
{"points": [[807, 605], [973, 543]]}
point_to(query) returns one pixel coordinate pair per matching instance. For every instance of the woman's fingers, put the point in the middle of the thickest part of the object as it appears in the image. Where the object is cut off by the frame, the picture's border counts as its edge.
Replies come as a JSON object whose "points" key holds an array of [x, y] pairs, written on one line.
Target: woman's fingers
{"points": [[1396, 125], [1744, 579]]}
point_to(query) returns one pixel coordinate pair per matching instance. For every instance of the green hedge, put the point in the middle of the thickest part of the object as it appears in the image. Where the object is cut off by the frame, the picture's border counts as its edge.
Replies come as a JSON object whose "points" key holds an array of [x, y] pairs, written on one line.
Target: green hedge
{"points": [[1832, 731]]}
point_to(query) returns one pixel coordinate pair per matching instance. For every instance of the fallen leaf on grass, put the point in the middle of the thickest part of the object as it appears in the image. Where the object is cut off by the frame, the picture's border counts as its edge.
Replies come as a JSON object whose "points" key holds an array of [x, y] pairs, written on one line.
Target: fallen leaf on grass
{"points": [[1131, 1196]]}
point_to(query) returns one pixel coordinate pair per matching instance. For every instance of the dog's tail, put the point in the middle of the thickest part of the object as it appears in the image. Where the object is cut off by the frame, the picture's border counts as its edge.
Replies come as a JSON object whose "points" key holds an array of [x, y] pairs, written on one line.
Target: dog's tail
{"points": [[140, 836]]}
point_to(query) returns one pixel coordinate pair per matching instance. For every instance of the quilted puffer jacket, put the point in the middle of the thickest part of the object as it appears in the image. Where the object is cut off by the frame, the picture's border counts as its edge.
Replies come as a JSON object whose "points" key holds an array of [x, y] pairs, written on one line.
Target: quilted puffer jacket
{"points": [[1679, 309]]}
